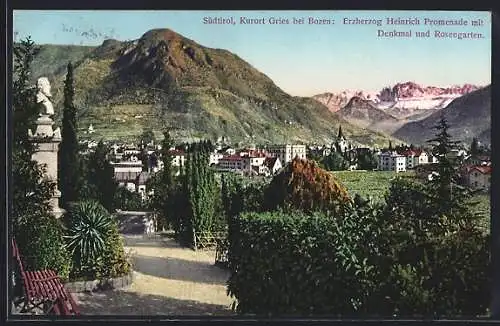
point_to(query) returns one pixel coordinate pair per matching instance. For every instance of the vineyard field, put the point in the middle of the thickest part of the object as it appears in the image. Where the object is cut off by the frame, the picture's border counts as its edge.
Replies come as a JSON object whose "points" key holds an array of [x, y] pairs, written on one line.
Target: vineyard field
{"points": [[375, 184], [368, 183]]}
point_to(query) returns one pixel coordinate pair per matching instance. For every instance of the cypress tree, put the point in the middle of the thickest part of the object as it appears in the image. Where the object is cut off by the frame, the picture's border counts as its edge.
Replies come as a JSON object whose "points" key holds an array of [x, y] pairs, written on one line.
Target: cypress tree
{"points": [[200, 187], [164, 188], [101, 176], [69, 166], [474, 147]]}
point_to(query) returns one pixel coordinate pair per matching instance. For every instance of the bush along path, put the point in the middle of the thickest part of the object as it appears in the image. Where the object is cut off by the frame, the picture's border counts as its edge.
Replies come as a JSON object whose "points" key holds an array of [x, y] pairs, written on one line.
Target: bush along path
{"points": [[168, 280]]}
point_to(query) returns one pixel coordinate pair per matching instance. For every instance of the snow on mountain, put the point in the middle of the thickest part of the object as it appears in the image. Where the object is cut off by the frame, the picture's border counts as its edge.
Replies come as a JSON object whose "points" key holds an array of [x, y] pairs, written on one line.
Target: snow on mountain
{"points": [[406, 97]]}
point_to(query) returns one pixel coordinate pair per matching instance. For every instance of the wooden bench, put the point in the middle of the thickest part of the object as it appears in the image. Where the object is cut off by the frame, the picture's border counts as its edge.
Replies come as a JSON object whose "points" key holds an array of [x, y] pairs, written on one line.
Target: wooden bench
{"points": [[44, 289]]}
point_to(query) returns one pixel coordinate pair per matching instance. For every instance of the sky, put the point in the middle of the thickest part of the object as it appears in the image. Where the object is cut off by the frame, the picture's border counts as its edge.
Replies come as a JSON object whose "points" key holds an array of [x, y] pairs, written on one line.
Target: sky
{"points": [[302, 59]]}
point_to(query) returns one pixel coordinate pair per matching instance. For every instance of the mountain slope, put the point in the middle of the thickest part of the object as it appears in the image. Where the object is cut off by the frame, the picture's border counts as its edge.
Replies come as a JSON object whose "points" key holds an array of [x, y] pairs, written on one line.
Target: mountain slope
{"points": [[362, 113], [468, 116], [164, 79], [335, 102], [53, 59]]}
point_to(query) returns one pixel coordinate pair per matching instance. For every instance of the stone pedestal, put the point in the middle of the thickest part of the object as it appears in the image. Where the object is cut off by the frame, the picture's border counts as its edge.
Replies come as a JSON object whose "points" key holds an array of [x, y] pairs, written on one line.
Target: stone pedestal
{"points": [[47, 141]]}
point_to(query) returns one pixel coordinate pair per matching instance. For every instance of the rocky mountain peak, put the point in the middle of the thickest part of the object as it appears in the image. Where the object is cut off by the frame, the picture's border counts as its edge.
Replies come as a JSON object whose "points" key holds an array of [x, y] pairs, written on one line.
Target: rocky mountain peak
{"points": [[413, 90]]}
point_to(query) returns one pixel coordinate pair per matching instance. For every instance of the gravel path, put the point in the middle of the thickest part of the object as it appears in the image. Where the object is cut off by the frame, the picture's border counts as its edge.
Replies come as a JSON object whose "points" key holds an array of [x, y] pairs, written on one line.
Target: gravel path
{"points": [[169, 280]]}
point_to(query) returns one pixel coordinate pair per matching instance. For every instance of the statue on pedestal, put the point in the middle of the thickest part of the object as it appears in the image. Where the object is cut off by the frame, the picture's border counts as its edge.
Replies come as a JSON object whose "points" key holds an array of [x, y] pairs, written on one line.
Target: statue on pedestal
{"points": [[47, 139], [44, 122], [43, 96]]}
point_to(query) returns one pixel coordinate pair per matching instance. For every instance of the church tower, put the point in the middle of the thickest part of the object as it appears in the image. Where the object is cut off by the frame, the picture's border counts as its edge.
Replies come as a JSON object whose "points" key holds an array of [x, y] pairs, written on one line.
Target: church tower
{"points": [[341, 142]]}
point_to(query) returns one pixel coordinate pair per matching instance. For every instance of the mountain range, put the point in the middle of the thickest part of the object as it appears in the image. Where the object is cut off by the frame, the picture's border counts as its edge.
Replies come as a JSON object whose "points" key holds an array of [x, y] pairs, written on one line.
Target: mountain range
{"points": [[166, 80], [469, 116], [408, 110]]}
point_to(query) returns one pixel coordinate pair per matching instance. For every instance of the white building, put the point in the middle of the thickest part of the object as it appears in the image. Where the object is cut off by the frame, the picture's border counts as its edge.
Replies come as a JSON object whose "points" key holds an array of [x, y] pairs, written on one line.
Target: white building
{"points": [[231, 163], [414, 158], [126, 173], [253, 160], [423, 158], [287, 153], [479, 177], [127, 167], [392, 161], [178, 157], [214, 158]]}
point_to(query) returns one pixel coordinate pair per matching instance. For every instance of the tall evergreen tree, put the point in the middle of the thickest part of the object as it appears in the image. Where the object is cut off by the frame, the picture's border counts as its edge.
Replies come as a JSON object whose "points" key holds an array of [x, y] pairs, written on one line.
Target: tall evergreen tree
{"points": [[474, 147], [200, 192], [69, 166], [449, 196], [101, 176], [164, 185], [146, 138], [367, 161], [335, 161]]}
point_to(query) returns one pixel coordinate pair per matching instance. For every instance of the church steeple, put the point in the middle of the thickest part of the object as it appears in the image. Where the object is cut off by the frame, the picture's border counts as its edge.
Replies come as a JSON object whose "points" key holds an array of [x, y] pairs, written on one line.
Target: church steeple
{"points": [[340, 135]]}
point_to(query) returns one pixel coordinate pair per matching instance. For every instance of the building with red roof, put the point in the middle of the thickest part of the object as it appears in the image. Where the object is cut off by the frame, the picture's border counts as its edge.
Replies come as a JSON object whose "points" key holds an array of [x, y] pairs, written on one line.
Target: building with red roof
{"points": [[478, 176]]}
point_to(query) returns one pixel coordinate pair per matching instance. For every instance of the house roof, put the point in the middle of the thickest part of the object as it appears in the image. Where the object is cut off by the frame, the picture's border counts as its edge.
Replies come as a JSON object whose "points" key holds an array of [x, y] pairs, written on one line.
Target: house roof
{"points": [[126, 176], [411, 152], [176, 152], [270, 161], [484, 169], [231, 158]]}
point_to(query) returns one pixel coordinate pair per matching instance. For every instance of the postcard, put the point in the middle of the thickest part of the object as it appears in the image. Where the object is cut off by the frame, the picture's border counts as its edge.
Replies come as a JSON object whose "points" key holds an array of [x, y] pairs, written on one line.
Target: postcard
{"points": [[251, 163]]}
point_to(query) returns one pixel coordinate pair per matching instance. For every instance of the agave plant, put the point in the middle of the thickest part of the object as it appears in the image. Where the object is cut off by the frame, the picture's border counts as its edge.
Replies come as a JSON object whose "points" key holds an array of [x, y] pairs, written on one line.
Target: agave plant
{"points": [[89, 223]]}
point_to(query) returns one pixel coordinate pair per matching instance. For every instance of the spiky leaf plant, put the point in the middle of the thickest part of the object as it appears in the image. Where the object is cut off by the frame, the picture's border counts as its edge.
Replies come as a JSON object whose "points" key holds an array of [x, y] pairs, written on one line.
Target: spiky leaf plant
{"points": [[88, 224]]}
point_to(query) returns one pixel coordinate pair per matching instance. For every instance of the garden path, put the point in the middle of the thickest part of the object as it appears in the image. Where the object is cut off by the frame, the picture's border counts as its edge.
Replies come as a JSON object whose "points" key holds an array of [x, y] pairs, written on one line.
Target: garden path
{"points": [[168, 280]]}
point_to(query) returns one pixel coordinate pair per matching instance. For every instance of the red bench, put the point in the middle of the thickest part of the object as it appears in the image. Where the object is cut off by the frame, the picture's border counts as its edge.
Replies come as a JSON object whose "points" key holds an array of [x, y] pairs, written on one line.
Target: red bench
{"points": [[44, 289]]}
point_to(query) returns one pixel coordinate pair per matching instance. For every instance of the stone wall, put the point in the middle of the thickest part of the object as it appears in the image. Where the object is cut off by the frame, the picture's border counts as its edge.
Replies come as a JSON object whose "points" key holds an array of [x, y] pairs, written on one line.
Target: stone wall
{"points": [[100, 285]]}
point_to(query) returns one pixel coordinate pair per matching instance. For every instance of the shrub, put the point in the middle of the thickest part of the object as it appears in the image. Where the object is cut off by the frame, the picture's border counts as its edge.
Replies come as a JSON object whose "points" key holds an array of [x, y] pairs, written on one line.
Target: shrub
{"points": [[41, 243], [114, 262], [240, 195], [446, 276], [95, 242], [292, 263], [437, 263], [127, 200], [304, 186], [88, 225]]}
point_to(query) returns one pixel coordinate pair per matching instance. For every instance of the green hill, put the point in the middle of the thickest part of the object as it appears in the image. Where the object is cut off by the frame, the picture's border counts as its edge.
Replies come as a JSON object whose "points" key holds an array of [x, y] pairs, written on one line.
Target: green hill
{"points": [[164, 79]]}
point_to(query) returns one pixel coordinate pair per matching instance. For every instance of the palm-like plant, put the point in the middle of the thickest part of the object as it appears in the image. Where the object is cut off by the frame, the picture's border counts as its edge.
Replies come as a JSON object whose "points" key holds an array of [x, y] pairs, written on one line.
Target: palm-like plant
{"points": [[88, 225]]}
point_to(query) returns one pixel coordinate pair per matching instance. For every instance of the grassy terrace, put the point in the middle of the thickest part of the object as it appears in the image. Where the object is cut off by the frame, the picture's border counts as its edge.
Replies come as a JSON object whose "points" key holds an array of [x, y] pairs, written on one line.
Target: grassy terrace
{"points": [[376, 184]]}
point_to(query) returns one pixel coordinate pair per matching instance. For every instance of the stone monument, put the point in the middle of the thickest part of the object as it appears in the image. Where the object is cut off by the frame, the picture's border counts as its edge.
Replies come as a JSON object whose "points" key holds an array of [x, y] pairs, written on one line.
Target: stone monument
{"points": [[47, 140]]}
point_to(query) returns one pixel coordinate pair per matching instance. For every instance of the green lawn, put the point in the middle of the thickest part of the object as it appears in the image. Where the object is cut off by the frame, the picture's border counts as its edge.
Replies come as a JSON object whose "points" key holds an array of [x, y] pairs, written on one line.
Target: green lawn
{"points": [[368, 183], [376, 184]]}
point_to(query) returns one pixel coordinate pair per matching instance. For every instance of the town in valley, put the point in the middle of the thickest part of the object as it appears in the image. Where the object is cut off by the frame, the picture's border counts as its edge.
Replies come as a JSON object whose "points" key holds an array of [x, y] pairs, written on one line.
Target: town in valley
{"points": [[251, 164]]}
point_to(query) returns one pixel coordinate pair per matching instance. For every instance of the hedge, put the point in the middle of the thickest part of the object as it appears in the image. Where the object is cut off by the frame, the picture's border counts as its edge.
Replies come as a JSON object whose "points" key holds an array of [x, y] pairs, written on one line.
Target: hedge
{"points": [[296, 264]]}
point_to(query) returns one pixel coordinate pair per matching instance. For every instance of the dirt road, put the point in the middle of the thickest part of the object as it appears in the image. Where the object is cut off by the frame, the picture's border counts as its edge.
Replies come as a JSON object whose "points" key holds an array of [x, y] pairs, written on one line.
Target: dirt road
{"points": [[169, 280]]}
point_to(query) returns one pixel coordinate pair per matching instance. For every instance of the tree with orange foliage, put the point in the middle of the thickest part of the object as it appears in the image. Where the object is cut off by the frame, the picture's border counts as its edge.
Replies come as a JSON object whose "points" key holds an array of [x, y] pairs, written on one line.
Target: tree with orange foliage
{"points": [[303, 185]]}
